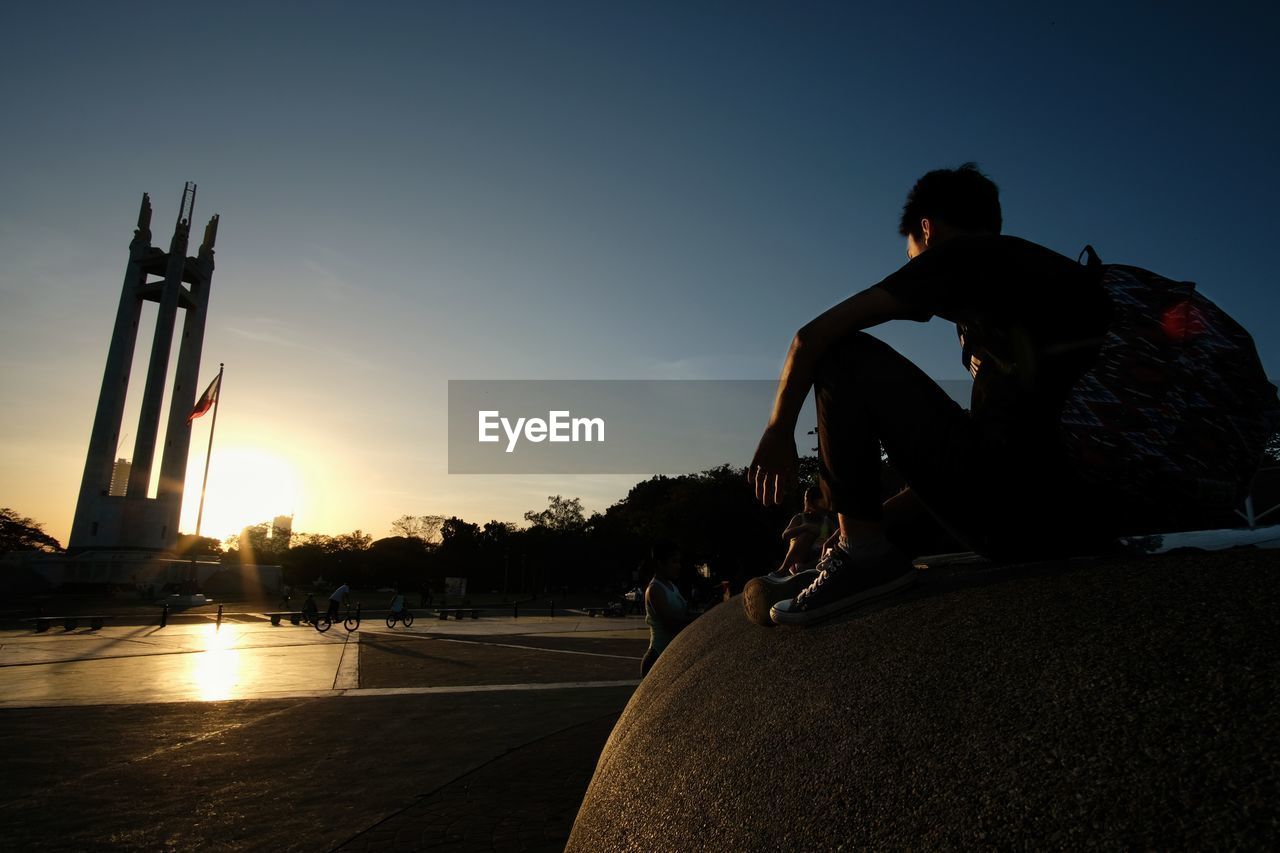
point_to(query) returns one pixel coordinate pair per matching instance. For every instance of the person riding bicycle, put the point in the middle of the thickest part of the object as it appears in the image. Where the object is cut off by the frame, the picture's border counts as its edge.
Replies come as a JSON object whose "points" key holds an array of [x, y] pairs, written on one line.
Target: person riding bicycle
{"points": [[336, 598]]}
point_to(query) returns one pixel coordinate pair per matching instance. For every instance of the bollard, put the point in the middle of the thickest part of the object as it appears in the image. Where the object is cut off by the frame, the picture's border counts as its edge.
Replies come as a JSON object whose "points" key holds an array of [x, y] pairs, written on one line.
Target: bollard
{"points": [[219, 625], [515, 610], [164, 615], [552, 604]]}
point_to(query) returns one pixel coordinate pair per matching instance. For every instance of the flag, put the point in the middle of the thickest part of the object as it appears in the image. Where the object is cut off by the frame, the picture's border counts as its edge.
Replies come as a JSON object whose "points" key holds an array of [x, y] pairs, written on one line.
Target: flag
{"points": [[206, 401]]}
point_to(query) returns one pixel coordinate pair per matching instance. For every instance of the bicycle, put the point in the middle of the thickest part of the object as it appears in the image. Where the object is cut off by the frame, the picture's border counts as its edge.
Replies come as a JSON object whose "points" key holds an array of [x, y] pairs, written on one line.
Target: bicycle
{"points": [[309, 614], [405, 615], [349, 621]]}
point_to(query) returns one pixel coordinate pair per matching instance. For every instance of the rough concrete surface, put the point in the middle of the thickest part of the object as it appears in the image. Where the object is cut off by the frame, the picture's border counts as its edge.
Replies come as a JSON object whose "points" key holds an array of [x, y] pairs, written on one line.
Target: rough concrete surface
{"points": [[1119, 703], [303, 774], [480, 739], [410, 661]]}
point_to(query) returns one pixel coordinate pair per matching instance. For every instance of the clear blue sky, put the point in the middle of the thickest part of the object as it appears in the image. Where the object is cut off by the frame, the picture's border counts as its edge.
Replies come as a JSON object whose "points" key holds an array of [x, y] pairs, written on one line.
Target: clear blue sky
{"points": [[417, 192]]}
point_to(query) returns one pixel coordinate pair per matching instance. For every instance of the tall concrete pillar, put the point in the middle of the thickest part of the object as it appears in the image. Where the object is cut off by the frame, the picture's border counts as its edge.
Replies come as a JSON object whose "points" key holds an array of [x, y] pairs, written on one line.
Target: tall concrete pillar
{"points": [[144, 448], [105, 435], [177, 434]]}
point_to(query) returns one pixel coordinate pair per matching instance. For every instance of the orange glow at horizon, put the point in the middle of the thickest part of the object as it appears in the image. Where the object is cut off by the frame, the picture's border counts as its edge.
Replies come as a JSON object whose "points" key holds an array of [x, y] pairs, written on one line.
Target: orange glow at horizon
{"points": [[247, 485]]}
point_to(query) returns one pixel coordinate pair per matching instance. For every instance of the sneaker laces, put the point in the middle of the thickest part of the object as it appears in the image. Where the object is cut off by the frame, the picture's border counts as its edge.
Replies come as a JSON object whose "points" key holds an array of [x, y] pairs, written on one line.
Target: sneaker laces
{"points": [[827, 566]]}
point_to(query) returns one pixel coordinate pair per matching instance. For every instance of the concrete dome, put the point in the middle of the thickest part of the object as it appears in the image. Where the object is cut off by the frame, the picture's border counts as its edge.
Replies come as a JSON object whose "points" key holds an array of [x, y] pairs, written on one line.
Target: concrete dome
{"points": [[1124, 703]]}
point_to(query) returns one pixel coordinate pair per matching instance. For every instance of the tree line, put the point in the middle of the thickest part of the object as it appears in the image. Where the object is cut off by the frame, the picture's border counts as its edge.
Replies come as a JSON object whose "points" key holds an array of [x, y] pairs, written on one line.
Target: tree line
{"points": [[722, 532]]}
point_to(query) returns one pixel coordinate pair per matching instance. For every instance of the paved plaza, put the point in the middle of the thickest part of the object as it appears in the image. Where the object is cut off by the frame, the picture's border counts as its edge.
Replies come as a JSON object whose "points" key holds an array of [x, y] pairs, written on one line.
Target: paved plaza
{"points": [[471, 735]]}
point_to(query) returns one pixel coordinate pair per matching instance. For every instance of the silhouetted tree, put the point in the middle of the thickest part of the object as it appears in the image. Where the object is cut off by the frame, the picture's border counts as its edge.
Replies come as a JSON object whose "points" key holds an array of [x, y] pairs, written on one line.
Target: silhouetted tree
{"points": [[256, 545], [19, 533], [562, 514], [399, 561], [712, 516], [496, 534], [308, 558], [203, 546], [459, 548], [424, 527], [354, 542], [808, 472], [350, 562], [318, 541], [456, 533]]}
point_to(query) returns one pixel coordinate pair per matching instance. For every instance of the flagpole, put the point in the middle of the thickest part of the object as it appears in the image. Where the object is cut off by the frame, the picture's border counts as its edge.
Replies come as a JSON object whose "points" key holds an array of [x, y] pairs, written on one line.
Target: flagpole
{"points": [[217, 398]]}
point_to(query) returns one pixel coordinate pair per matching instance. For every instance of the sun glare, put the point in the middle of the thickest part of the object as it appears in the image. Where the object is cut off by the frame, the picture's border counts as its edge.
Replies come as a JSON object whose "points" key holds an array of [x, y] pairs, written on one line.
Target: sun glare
{"points": [[247, 485], [216, 671]]}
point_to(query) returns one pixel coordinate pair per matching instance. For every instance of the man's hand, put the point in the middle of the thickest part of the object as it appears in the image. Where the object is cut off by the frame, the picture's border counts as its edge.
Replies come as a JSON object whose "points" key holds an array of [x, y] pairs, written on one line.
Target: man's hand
{"points": [[773, 468]]}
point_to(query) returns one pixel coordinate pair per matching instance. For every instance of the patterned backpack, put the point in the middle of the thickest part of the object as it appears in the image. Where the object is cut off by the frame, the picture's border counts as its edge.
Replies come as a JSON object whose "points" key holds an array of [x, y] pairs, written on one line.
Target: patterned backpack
{"points": [[1176, 407]]}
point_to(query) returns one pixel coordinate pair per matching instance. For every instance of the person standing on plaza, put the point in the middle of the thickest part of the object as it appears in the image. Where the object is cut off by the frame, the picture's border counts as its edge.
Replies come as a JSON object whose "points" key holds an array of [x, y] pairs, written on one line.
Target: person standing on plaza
{"points": [[666, 611]]}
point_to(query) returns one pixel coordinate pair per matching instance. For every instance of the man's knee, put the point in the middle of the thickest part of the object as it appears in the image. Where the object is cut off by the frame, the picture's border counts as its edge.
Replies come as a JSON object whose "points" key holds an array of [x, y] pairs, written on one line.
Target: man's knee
{"points": [[855, 353], [803, 541]]}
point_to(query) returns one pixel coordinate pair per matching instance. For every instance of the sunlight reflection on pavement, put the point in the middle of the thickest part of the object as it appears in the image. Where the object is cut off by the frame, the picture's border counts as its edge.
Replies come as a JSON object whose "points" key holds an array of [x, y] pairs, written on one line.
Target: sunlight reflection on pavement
{"points": [[148, 664], [140, 664]]}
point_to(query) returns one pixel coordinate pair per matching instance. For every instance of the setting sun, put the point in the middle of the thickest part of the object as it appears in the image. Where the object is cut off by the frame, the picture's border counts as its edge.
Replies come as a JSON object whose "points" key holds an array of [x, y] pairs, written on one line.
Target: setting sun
{"points": [[247, 485]]}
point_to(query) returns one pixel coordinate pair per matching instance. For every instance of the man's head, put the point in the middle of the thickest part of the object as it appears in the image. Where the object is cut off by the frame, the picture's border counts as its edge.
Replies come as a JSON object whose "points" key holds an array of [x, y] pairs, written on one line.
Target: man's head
{"points": [[666, 558], [949, 202]]}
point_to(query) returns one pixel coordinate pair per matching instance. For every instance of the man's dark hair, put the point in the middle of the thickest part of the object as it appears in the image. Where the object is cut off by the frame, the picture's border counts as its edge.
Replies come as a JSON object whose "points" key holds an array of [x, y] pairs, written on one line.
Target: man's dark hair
{"points": [[663, 550], [962, 198]]}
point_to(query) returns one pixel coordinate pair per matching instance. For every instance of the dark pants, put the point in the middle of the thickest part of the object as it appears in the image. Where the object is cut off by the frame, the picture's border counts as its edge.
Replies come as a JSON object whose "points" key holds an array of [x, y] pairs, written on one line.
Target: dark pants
{"points": [[1001, 499], [333, 609], [647, 662]]}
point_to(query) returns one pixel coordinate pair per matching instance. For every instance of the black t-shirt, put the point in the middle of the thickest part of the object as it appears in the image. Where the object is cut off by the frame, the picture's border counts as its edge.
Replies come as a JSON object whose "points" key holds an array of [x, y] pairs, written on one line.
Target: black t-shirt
{"points": [[1032, 317]]}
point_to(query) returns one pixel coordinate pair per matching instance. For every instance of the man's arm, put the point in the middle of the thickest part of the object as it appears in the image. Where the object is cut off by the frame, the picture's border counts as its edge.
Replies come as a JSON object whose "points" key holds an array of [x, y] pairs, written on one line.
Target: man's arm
{"points": [[774, 463]]}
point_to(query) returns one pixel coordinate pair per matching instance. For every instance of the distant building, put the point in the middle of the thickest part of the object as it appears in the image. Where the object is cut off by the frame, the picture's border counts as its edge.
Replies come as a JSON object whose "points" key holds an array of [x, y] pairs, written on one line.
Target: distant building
{"points": [[282, 528], [119, 478]]}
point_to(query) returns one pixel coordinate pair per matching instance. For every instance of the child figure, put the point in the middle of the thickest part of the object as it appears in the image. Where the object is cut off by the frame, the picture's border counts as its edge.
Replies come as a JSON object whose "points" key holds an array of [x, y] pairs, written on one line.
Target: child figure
{"points": [[806, 533]]}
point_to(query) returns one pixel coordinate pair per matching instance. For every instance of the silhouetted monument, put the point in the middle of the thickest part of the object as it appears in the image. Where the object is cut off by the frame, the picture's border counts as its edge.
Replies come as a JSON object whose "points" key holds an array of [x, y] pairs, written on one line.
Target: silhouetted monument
{"points": [[133, 520]]}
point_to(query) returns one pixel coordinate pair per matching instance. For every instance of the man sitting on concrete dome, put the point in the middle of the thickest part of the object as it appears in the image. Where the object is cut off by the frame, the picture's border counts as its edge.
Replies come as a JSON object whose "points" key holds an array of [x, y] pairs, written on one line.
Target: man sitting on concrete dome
{"points": [[1037, 467]]}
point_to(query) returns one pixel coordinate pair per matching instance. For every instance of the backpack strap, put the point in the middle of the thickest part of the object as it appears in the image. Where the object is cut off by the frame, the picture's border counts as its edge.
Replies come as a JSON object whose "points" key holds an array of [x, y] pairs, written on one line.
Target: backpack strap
{"points": [[1091, 261]]}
